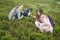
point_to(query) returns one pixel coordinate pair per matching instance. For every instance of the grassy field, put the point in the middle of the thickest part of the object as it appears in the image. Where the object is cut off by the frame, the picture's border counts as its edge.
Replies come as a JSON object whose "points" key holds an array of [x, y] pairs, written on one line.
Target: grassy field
{"points": [[25, 29]]}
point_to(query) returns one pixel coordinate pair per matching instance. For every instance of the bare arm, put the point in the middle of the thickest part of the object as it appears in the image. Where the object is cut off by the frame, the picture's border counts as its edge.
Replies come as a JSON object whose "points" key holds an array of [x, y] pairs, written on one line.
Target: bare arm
{"points": [[33, 16]]}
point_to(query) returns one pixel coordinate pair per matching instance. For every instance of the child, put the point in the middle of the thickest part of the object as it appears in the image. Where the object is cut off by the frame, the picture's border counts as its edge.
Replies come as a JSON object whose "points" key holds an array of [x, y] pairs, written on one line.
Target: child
{"points": [[27, 12]]}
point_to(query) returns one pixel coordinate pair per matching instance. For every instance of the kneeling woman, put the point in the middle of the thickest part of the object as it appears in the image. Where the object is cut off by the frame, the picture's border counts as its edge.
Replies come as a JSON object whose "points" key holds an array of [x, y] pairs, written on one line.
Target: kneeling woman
{"points": [[42, 22]]}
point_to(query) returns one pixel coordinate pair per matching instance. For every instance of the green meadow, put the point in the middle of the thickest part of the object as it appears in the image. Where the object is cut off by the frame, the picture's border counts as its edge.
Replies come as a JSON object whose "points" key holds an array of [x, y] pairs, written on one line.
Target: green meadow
{"points": [[25, 29]]}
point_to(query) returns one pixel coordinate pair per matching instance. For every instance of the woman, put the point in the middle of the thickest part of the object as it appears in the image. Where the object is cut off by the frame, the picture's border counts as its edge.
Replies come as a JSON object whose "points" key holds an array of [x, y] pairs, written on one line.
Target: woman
{"points": [[42, 22]]}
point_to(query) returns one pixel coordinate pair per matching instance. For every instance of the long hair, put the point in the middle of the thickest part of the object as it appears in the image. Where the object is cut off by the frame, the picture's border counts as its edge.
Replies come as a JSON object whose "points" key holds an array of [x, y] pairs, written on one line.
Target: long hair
{"points": [[40, 11], [38, 16]]}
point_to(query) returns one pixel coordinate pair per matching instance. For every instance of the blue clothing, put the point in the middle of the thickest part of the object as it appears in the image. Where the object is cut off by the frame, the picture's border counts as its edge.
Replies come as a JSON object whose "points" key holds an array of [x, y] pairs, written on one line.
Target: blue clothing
{"points": [[26, 12]]}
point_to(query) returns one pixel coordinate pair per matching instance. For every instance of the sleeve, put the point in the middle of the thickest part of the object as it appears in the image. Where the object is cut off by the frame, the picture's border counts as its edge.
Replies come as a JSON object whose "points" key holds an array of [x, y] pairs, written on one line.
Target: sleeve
{"points": [[20, 17], [45, 20], [37, 23]]}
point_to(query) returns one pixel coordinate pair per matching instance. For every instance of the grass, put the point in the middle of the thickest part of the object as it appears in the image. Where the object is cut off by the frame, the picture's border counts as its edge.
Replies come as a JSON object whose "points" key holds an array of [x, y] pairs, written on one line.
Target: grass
{"points": [[25, 29]]}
